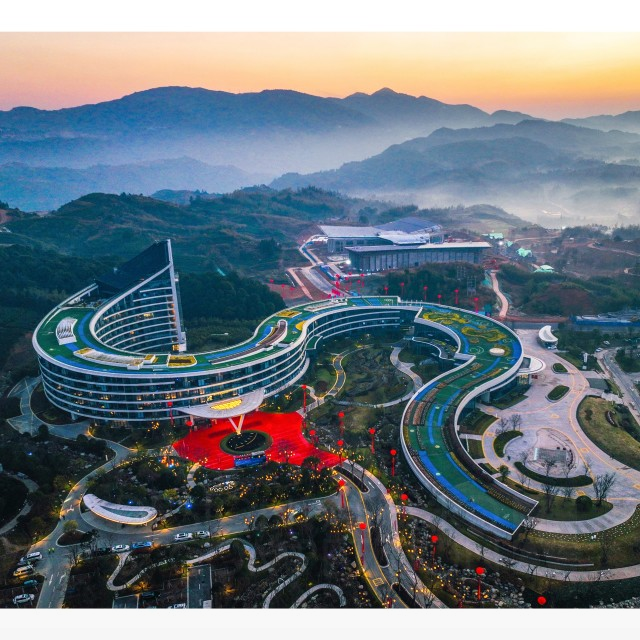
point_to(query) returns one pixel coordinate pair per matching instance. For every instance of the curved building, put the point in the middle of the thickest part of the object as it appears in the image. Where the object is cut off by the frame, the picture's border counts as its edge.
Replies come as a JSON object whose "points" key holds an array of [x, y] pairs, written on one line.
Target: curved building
{"points": [[116, 352]]}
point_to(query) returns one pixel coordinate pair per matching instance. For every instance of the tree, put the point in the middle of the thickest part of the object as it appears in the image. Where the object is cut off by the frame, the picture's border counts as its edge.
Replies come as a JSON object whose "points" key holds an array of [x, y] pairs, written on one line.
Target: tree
{"points": [[503, 426], [602, 485], [198, 492], [584, 503], [529, 525], [504, 472], [515, 421], [70, 526]]}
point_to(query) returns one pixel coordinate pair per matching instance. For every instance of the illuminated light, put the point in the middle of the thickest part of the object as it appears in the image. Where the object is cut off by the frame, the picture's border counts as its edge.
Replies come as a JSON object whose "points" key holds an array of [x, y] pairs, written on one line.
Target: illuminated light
{"points": [[542, 601], [227, 404]]}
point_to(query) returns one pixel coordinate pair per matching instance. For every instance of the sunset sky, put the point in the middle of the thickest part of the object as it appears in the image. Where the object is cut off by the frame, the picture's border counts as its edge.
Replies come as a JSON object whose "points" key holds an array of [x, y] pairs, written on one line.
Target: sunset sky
{"points": [[545, 74]]}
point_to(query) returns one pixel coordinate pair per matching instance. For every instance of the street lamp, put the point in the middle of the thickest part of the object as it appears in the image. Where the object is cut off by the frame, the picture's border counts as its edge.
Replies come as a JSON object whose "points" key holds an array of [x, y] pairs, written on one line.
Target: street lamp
{"points": [[404, 497], [341, 444], [341, 422], [372, 432]]}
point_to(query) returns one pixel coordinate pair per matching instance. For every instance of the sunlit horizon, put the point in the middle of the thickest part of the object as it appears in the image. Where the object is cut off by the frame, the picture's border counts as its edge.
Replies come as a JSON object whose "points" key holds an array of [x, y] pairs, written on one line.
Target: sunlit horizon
{"points": [[551, 75]]}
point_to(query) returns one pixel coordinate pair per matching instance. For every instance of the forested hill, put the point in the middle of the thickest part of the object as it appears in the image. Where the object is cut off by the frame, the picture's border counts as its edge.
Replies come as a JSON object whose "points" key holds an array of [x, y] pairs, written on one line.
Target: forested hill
{"points": [[226, 232]]}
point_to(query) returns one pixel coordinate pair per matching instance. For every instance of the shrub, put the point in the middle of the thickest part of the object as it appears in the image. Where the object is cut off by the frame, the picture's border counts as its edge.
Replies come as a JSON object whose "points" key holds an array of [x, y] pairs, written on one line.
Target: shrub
{"points": [[584, 503], [558, 392], [501, 441]]}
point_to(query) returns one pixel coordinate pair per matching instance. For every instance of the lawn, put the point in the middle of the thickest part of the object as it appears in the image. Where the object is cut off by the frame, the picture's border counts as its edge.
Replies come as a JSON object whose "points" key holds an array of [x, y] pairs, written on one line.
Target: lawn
{"points": [[476, 422], [559, 368], [475, 448], [501, 441], [558, 393], [614, 440], [621, 544]]}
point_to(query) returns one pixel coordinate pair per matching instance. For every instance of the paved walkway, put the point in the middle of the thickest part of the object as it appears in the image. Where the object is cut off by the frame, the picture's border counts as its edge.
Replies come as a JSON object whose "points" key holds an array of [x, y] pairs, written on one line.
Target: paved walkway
{"points": [[27, 421], [504, 303], [543, 420]]}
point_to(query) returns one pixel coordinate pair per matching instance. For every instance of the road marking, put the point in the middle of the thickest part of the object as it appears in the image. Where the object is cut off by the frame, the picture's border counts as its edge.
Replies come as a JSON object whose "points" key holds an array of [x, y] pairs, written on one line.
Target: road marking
{"points": [[584, 450], [377, 582]]}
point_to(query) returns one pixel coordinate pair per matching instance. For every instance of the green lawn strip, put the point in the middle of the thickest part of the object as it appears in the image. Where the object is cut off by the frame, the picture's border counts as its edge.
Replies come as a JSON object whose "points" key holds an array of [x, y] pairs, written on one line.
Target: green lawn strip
{"points": [[622, 544], [476, 422], [613, 387], [558, 392], [501, 441], [576, 481], [488, 468], [475, 448], [612, 440], [559, 368]]}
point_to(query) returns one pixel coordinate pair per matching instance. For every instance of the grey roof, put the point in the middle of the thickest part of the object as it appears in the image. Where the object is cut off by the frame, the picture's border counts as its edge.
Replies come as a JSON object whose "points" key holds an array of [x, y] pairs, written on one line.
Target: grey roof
{"points": [[338, 231], [431, 247], [410, 225]]}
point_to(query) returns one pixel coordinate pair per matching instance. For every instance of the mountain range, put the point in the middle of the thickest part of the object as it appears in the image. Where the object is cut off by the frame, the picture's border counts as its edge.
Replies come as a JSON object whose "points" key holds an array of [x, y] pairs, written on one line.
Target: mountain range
{"points": [[387, 144]]}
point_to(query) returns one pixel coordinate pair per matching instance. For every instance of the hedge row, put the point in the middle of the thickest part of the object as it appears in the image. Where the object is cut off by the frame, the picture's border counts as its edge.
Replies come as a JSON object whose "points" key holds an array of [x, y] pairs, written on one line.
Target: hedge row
{"points": [[501, 441], [576, 481]]}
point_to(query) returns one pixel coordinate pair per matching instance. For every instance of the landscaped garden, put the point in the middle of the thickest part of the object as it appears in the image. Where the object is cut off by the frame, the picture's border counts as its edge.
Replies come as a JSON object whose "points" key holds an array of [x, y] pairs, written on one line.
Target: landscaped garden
{"points": [[559, 368], [55, 465], [612, 428], [371, 378], [476, 422]]}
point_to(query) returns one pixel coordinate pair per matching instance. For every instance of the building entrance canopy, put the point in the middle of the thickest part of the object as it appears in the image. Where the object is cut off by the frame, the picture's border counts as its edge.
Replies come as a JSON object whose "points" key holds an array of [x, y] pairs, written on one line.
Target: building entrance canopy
{"points": [[230, 408]]}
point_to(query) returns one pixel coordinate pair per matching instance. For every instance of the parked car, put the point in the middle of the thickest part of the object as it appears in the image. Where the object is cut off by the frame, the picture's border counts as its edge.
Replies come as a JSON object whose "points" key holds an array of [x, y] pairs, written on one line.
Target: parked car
{"points": [[36, 556], [119, 548], [102, 551], [23, 571], [141, 545], [23, 598], [30, 583], [599, 349], [147, 595], [202, 534], [181, 537], [180, 605]]}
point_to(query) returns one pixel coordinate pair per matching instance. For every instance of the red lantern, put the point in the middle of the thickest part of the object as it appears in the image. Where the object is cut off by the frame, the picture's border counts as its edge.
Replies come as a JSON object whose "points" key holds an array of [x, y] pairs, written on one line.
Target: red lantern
{"points": [[393, 462], [404, 497], [372, 431], [341, 415], [456, 291], [393, 452], [476, 304], [542, 601], [341, 443], [434, 539], [362, 526], [424, 293], [341, 484], [480, 572]]}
